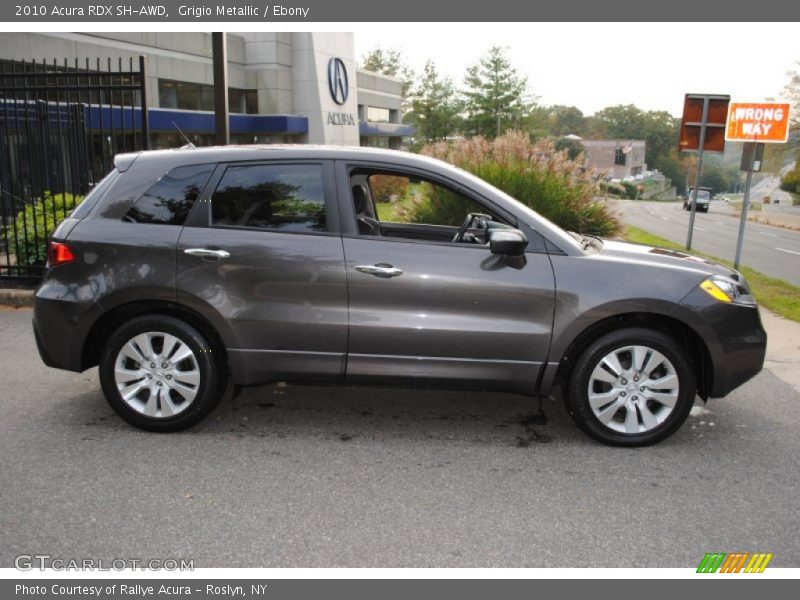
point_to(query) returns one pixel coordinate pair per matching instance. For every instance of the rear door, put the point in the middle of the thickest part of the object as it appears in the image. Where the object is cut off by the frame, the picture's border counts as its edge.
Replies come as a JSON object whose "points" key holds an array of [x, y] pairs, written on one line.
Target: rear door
{"points": [[425, 310], [261, 256]]}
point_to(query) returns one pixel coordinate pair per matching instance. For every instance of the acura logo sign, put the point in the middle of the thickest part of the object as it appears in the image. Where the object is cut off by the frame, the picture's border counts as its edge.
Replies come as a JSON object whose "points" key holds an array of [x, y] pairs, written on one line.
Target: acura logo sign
{"points": [[338, 84]]}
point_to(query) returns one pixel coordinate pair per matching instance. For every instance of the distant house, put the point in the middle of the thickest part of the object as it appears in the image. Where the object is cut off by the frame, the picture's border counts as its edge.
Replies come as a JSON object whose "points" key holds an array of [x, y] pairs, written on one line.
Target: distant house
{"points": [[618, 159]]}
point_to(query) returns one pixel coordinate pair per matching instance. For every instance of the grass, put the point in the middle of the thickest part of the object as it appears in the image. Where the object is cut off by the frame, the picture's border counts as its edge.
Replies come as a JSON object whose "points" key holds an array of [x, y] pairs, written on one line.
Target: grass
{"points": [[754, 206], [777, 295], [385, 211]]}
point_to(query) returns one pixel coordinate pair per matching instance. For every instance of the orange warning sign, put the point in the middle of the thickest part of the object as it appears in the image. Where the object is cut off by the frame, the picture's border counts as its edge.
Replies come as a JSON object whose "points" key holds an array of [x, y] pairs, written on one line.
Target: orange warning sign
{"points": [[758, 122]]}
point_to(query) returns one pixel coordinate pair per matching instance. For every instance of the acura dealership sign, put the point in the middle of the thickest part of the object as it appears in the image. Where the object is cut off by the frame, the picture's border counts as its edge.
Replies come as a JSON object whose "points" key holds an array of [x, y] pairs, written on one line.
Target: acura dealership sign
{"points": [[339, 88], [338, 83]]}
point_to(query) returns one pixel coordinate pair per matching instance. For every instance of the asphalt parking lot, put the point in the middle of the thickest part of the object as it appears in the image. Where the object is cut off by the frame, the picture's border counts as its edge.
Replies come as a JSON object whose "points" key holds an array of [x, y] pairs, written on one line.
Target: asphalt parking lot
{"points": [[370, 477]]}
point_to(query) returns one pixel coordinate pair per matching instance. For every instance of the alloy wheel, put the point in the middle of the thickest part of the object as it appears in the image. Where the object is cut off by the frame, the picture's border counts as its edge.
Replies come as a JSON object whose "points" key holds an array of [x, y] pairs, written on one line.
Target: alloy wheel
{"points": [[157, 374], [633, 389]]}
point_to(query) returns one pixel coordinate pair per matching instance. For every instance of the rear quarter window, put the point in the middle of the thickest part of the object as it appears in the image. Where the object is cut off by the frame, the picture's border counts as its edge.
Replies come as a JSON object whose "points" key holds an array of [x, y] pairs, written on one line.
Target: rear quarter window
{"points": [[94, 196], [169, 200]]}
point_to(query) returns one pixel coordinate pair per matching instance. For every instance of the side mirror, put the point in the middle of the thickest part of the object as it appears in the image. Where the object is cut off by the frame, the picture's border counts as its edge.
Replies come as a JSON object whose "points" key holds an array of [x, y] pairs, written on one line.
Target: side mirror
{"points": [[508, 242]]}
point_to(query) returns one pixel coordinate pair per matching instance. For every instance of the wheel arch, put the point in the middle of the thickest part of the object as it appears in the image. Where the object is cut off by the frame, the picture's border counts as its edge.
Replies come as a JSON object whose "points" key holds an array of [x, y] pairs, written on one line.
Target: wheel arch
{"points": [[109, 321], [678, 330]]}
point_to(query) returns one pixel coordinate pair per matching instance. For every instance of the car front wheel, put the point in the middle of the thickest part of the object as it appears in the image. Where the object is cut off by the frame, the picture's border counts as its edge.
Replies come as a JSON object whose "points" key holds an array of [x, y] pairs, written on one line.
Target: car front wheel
{"points": [[160, 374], [631, 387]]}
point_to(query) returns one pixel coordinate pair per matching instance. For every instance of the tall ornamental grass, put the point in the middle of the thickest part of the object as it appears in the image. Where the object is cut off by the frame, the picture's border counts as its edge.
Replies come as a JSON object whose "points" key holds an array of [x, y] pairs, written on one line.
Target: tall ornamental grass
{"points": [[561, 189]]}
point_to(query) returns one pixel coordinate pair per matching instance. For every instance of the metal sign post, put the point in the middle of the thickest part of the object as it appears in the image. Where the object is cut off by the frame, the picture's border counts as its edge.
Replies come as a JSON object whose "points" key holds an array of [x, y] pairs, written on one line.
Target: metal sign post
{"points": [[702, 130], [700, 149], [752, 156], [754, 123]]}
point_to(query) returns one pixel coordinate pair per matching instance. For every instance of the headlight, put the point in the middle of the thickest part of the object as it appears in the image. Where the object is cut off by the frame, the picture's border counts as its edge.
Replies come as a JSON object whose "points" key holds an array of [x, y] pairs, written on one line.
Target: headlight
{"points": [[728, 290]]}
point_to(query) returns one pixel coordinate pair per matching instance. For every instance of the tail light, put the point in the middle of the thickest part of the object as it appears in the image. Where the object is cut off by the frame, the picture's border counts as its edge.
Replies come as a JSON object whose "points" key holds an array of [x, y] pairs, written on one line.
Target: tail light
{"points": [[58, 253]]}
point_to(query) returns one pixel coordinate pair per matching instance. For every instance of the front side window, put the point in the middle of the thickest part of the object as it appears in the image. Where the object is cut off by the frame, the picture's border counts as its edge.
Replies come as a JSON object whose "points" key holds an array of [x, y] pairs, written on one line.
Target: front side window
{"points": [[403, 199], [169, 200], [283, 197]]}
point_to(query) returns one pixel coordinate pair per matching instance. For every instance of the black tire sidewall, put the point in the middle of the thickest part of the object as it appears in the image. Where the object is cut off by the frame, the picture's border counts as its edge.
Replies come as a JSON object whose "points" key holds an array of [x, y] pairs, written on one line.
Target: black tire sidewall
{"points": [[576, 397], [212, 379]]}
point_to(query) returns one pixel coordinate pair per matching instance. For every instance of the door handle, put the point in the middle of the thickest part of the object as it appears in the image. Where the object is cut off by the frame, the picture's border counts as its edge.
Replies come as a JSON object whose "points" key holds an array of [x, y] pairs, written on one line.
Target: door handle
{"points": [[207, 253], [380, 270]]}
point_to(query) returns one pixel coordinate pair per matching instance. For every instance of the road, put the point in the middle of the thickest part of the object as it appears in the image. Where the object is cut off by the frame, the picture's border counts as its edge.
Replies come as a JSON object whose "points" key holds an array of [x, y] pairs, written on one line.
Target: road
{"points": [[771, 250], [313, 476], [769, 185]]}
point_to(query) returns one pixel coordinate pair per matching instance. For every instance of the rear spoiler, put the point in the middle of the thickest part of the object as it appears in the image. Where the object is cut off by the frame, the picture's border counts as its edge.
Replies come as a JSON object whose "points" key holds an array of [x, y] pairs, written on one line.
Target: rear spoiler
{"points": [[123, 162]]}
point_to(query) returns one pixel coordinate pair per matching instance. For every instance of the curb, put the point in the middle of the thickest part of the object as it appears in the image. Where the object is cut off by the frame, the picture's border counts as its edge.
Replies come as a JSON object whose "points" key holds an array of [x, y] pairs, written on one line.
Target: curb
{"points": [[12, 297]]}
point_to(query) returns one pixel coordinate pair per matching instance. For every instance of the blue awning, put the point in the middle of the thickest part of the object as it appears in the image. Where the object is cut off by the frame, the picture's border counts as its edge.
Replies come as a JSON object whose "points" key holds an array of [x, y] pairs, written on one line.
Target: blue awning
{"points": [[98, 118], [373, 129], [189, 121]]}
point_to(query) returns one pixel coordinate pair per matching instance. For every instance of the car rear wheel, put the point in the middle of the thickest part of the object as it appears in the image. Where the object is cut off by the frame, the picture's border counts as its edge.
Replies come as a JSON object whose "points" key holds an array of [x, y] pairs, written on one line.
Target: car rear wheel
{"points": [[631, 387], [160, 374]]}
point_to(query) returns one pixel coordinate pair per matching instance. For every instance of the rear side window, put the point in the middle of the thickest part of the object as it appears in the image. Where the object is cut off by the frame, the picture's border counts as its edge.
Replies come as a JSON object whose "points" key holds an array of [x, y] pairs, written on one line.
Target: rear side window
{"points": [[170, 199], [282, 197]]}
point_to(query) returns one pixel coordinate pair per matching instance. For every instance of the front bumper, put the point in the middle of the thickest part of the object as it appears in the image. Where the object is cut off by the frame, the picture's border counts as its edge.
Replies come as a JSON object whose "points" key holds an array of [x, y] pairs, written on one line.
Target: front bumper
{"points": [[734, 337]]}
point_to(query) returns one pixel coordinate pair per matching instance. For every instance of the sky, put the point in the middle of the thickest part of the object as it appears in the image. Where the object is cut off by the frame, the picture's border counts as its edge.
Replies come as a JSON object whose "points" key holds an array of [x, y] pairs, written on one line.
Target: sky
{"points": [[594, 65]]}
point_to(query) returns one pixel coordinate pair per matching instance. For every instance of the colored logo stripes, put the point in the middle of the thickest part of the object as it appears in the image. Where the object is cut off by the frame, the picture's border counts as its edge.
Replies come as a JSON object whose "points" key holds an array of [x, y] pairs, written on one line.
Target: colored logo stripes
{"points": [[736, 562]]}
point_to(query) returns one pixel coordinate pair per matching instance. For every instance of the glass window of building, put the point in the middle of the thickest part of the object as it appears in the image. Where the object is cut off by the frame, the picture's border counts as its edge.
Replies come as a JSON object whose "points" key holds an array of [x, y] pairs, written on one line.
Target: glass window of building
{"points": [[377, 115]]}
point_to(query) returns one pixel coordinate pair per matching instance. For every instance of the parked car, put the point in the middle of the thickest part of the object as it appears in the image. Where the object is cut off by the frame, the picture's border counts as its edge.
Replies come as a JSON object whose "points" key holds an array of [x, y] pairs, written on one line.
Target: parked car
{"points": [[703, 199], [188, 269]]}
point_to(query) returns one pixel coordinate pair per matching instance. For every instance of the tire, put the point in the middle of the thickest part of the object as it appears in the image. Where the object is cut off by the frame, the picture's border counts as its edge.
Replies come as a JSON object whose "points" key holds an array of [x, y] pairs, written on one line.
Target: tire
{"points": [[631, 417], [161, 398]]}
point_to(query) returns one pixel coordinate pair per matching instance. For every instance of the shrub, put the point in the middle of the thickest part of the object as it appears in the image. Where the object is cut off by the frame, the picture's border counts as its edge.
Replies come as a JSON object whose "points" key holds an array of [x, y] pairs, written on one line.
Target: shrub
{"points": [[388, 187], [34, 224], [614, 189], [791, 180], [630, 190], [535, 173]]}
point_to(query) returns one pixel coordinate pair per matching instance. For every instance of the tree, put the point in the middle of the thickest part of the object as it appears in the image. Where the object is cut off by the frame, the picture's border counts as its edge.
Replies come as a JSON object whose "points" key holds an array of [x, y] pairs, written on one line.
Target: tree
{"points": [[435, 106], [790, 182], [661, 131], [622, 121], [565, 120], [389, 62], [792, 92], [573, 147], [495, 95], [675, 166]]}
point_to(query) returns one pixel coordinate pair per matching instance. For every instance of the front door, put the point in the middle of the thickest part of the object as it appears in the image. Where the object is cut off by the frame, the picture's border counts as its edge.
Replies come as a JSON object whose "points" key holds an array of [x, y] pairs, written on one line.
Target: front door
{"points": [[427, 310]]}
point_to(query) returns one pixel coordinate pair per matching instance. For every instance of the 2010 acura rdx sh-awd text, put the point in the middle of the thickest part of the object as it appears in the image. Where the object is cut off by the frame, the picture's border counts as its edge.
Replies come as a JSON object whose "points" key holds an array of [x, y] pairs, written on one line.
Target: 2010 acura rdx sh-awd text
{"points": [[184, 269]]}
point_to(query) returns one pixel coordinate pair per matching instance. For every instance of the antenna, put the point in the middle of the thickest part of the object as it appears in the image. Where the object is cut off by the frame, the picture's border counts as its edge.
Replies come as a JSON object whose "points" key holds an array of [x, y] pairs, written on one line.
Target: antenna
{"points": [[189, 143]]}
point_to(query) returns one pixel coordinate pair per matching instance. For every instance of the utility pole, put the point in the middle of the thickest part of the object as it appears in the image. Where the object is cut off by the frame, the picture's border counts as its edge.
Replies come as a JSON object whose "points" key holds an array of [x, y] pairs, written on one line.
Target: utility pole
{"points": [[221, 115]]}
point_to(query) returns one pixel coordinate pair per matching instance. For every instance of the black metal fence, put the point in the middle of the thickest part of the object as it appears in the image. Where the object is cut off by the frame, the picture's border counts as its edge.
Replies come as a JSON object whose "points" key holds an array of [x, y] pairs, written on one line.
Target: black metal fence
{"points": [[60, 126]]}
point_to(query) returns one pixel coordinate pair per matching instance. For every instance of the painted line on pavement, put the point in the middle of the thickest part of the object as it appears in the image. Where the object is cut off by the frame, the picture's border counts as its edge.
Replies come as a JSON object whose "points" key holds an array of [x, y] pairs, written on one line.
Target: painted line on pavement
{"points": [[789, 251]]}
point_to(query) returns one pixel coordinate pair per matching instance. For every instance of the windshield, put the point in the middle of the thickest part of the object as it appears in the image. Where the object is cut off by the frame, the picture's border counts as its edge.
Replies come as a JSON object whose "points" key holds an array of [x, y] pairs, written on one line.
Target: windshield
{"points": [[703, 194]]}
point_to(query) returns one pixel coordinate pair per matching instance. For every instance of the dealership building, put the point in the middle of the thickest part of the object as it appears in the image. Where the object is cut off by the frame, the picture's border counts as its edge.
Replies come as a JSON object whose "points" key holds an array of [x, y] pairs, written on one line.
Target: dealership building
{"points": [[282, 87]]}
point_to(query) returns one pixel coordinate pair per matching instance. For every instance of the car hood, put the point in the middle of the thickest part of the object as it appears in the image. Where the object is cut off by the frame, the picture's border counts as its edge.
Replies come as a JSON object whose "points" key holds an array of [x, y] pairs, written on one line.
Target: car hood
{"points": [[673, 258]]}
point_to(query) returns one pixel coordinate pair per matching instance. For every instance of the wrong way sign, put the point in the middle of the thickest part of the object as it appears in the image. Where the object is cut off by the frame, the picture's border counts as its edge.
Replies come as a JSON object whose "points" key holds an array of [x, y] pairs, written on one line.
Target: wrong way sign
{"points": [[765, 122]]}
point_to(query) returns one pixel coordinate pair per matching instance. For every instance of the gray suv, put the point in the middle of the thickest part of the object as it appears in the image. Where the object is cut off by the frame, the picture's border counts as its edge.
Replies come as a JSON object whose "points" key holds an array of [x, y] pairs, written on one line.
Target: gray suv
{"points": [[186, 269]]}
